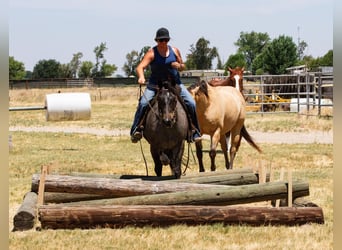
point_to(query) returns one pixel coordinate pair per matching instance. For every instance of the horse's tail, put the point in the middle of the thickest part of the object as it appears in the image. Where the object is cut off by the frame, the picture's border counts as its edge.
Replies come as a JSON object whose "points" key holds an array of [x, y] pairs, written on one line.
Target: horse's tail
{"points": [[249, 139]]}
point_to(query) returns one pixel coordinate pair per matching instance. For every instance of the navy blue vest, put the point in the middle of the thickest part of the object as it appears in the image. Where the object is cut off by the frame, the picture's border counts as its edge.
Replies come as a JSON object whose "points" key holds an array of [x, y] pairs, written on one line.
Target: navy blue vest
{"points": [[161, 68]]}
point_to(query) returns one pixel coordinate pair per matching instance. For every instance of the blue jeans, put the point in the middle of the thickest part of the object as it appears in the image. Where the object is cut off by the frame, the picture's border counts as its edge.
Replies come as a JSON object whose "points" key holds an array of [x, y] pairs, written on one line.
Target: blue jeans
{"points": [[148, 96]]}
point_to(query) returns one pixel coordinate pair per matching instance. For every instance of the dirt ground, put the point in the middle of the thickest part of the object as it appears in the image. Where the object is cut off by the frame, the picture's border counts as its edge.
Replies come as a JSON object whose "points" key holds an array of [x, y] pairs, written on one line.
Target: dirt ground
{"points": [[324, 137]]}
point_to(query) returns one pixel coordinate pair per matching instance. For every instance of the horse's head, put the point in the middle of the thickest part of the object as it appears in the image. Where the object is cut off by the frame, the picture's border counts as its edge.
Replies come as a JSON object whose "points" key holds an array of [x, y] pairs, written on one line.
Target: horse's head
{"points": [[199, 90], [236, 77], [167, 103]]}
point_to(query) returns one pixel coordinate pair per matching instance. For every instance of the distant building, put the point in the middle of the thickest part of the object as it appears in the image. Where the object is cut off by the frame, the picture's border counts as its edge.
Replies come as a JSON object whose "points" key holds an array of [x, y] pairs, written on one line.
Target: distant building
{"points": [[203, 73], [297, 69], [326, 69]]}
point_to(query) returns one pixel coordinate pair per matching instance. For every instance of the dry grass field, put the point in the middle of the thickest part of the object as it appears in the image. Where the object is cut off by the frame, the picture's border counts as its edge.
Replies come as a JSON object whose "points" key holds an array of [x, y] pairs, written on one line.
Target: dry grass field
{"points": [[113, 109]]}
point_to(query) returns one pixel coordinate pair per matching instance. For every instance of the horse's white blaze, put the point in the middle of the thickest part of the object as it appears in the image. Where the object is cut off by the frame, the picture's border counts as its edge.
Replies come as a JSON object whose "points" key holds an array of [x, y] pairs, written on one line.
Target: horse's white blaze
{"points": [[237, 78]]}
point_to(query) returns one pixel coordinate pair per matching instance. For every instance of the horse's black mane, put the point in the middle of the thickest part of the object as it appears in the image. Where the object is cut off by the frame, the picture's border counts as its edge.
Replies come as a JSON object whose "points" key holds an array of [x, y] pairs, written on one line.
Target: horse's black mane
{"points": [[203, 87], [172, 87]]}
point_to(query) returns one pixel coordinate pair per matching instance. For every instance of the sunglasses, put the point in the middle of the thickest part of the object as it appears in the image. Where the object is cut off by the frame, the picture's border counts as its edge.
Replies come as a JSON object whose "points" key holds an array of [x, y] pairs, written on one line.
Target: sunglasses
{"points": [[163, 40]]}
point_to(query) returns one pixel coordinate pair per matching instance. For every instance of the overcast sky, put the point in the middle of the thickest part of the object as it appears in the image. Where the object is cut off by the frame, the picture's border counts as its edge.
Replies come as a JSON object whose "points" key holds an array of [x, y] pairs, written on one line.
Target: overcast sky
{"points": [[42, 29]]}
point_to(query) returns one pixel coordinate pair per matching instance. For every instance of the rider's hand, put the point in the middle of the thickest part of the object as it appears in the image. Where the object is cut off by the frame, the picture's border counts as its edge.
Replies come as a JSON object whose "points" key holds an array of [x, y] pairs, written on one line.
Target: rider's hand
{"points": [[141, 80], [176, 65]]}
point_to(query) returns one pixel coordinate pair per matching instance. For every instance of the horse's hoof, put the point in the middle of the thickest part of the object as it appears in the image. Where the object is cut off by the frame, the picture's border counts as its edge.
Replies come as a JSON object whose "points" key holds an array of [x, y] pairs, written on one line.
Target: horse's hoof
{"points": [[177, 175]]}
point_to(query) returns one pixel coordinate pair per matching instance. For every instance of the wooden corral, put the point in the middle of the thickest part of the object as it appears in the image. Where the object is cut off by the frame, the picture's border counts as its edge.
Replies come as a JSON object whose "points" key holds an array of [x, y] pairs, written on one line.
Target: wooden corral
{"points": [[93, 201]]}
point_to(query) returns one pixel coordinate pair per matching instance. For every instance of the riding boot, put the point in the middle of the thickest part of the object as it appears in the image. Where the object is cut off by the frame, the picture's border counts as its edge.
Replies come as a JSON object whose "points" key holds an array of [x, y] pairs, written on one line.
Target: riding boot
{"points": [[137, 128], [196, 132]]}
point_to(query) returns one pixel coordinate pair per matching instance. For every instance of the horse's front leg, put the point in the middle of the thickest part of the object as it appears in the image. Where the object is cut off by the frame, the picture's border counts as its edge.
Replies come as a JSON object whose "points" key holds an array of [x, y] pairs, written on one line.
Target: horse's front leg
{"points": [[176, 160], [224, 147], [158, 167], [214, 140]]}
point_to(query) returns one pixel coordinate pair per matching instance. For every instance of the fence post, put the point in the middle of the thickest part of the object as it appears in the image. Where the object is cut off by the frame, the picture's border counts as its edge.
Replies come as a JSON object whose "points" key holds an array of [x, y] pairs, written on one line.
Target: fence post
{"points": [[298, 95], [262, 95], [319, 94], [307, 94]]}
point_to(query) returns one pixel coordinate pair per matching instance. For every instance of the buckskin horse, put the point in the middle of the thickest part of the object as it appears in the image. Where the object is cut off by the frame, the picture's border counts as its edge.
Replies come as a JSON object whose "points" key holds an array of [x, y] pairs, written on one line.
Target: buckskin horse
{"points": [[235, 79], [220, 110], [166, 128]]}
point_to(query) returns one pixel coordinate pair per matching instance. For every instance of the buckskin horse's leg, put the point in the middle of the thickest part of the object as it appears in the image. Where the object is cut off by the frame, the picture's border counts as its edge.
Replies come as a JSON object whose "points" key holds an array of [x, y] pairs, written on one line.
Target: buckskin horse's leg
{"points": [[199, 154], [213, 145], [235, 144], [224, 147]]}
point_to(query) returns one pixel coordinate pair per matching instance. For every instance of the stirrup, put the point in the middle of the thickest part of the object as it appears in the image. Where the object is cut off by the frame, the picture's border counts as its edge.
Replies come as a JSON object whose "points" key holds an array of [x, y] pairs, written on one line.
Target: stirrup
{"points": [[137, 135], [198, 139]]}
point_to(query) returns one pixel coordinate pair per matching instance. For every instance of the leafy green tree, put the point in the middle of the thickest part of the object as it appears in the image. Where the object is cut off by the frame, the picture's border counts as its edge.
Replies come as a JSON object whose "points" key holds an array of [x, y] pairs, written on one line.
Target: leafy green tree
{"points": [[101, 68], [250, 45], [301, 48], [201, 56], [65, 71], [131, 64], [46, 69], [235, 60], [314, 63], [107, 69], [219, 63], [85, 69], [75, 64], [280, 54], [327, 59], [98, 56], [133, 59], [258, 64], [16, 69]]}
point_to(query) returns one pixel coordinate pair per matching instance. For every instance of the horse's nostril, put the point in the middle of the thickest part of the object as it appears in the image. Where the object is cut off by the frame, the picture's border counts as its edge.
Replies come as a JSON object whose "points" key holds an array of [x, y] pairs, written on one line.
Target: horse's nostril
{"points": [[167, 122]]}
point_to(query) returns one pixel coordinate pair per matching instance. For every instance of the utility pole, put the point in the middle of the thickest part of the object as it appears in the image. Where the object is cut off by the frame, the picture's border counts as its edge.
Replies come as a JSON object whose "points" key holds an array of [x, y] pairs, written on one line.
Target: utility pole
{"points": [[298, 48]]}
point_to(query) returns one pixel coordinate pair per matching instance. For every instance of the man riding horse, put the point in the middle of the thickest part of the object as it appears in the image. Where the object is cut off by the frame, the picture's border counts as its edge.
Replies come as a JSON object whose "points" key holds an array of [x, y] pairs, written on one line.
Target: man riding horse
{"points": [[165, 62]]}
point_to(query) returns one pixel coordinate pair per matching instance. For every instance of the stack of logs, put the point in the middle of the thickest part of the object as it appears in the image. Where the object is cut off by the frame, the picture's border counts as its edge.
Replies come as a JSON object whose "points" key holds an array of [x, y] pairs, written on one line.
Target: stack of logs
{"points": [[93, 201]]}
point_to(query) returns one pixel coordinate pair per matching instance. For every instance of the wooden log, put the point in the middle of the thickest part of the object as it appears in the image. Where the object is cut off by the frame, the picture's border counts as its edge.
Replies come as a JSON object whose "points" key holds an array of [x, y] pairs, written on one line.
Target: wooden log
{"points": [[228, 179], [232, 179], [163, 178], [221, 195], [25, 217], [86, 217], [112, 187], [50, 197]]}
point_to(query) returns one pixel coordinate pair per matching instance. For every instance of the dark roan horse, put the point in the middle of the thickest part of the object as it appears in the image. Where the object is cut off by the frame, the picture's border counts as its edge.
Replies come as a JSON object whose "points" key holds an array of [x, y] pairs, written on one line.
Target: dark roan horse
{"points": [[166, 129]]}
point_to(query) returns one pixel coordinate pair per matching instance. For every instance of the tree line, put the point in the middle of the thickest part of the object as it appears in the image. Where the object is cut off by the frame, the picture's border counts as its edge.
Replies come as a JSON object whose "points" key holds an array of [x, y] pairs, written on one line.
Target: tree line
{"points": [[256, 51]]}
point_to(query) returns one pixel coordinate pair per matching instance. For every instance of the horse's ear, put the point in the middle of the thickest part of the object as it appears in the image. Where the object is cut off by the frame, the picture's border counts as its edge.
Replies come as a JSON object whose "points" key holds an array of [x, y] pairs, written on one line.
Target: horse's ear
{"points": [[243, 68], [203, 87], [230, 69]]}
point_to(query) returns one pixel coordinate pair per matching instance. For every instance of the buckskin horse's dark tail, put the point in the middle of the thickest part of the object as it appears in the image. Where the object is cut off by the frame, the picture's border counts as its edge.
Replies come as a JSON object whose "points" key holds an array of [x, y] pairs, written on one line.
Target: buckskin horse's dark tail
{"points": [[249, 139]]}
